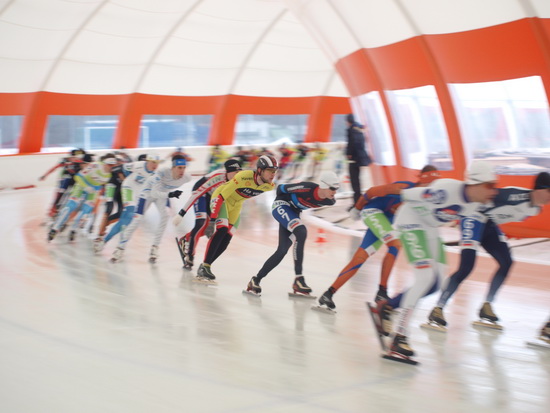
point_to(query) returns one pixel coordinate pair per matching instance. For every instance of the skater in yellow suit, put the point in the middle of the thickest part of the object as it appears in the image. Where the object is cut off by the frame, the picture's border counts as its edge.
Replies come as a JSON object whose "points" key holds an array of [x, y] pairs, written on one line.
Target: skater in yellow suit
{"points": [[226, 205]]}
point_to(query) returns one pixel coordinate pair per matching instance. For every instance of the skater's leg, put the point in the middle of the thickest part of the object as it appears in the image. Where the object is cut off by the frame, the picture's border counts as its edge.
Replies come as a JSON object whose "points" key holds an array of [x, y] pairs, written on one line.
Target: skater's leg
{"points": [[500, 251], [282, 248], [467, 262]]}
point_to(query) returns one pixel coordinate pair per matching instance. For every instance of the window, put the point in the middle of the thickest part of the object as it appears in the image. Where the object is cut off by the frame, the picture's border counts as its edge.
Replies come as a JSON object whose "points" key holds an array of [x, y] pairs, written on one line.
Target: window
{"points": [[270, 129], [370, 107], [86, 132], [338, 129], [420, 127], [505, 122], [10, 129], [174, 130]]}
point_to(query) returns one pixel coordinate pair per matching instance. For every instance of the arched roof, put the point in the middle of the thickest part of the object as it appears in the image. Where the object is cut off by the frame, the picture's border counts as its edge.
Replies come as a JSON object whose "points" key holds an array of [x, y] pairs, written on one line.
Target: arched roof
{"points": [[161, 47], [217, 47]]}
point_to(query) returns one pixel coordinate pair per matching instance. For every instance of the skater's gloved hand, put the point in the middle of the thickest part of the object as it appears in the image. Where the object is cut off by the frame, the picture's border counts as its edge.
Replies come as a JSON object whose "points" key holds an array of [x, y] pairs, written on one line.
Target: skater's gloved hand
{"points": [[210, 229], [178, 217], [175, 194], [355, 214]]}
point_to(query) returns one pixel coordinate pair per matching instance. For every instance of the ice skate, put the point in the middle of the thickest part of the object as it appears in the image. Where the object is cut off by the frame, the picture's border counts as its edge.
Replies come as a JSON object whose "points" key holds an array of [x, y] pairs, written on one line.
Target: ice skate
{"points": [[436, 321], [188, 262], [98, 245], [382, 294], [181, 248], [118, 254], [381, 313], [326, 305], [205, 275], [487, 318], [377, 322], [153, 254], [253, 287], [301, 289], [51, 234], [543, 340], [72, 235], [400, 351]]}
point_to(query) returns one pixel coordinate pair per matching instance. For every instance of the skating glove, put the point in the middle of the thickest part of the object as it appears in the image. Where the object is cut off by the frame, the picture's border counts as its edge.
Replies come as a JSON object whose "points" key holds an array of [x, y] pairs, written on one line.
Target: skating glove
{"points": [[175, 194], [210, 229], [355, 214], [178, 217]]}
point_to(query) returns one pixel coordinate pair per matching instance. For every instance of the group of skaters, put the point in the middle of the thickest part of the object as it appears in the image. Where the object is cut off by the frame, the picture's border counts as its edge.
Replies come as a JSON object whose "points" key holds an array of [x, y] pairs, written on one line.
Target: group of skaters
{"points": [[291, 159], [403, 215], [406, 215]]}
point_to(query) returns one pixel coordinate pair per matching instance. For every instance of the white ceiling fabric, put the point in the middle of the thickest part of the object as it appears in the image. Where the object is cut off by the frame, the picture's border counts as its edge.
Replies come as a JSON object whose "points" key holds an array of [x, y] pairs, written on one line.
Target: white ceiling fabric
{"points": [[216, 47]]}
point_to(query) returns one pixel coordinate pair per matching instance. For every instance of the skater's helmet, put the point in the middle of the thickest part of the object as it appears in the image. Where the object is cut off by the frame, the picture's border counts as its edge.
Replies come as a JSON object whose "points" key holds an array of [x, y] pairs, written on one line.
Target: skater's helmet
{"points": [[232, 165], [542, 181], [329, 180], [267, 161], [480, 172]]}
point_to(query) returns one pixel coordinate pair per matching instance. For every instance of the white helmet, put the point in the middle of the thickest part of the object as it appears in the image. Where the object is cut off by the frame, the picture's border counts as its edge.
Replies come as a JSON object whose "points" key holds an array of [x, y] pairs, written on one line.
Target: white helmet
{"points": [[152, 157], [480, 172], [330, 180]]}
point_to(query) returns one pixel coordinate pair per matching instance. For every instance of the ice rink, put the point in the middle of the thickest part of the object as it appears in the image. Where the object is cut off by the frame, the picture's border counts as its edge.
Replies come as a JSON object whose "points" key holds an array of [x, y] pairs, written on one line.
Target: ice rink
{"points": [[80, 334]]}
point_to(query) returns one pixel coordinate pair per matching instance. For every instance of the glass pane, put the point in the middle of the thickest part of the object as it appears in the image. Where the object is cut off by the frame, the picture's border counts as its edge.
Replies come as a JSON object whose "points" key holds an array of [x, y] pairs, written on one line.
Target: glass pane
{"points": [[86, 132], [270, 129], [420, 127], [174, 130], [505, 122], [369, 107], [338, 128], [10, 129]]}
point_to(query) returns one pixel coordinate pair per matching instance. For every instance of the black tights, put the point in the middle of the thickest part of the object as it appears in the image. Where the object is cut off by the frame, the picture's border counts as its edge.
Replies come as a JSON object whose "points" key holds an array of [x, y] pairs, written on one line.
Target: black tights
{"points": [[285, 241]]}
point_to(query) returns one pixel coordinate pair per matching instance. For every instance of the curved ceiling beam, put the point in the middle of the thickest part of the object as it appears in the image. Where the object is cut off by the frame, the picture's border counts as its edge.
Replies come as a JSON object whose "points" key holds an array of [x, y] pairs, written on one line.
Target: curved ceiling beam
{"points": [[161, 45], [253, 49], [69, 43]]}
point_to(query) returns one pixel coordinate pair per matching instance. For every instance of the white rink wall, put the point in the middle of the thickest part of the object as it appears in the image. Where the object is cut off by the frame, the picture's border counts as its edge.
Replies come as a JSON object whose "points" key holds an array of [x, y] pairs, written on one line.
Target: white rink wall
{"points": [[24, 170]]}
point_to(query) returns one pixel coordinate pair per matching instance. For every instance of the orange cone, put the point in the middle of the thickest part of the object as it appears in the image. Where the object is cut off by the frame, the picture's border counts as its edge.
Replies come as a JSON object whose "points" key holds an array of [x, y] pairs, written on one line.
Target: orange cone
{"points": [[321, 236]]}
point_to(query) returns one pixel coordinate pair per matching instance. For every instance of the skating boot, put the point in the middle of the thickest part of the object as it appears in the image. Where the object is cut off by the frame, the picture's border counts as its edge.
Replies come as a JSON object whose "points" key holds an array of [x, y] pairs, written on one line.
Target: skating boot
{"points": [[98, 245], [543, 340], [51, 234], [72, 235], [382, 294], [381, 315], [205, 275], [300, 288], [180, 242], [545, 333], [436, 320], [253, 287], [188, 262], [400, 350], [153, 255], [326, 305], [487, 317], [118, 254]]}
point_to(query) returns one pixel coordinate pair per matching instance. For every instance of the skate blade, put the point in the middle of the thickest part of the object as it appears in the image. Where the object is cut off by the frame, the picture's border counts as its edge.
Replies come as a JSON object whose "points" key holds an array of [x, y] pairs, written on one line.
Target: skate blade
{"points": [[487, 324], [374, 318], [300, 295], [204, 281], [539, 344], [400, 358], [434, 327], [182, 254], [188, 267], [323, 309], [252, 293], [379, 332]]}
